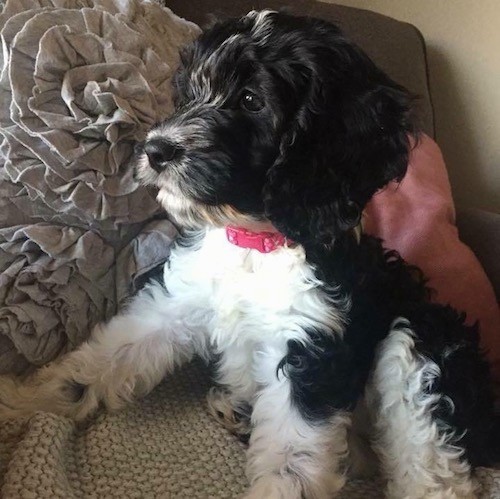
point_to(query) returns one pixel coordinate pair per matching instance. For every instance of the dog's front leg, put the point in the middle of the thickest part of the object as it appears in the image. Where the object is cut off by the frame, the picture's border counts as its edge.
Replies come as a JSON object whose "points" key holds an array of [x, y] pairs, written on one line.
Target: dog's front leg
{"points": [[124, 358], [292, 456]]}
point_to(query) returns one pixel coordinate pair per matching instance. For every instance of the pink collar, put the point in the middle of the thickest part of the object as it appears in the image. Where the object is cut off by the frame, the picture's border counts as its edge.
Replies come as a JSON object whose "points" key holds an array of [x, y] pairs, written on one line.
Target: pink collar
{"points": [[265, 242]]}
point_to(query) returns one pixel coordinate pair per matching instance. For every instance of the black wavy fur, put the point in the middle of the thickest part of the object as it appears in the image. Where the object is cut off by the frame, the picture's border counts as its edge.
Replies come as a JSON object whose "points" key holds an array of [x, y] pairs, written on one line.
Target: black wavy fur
{"points": [[332, 130], [333, 374]]}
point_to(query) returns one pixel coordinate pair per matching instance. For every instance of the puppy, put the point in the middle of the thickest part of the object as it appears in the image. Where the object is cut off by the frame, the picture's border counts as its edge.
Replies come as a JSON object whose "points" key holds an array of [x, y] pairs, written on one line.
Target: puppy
{"points": [[283, 131]]}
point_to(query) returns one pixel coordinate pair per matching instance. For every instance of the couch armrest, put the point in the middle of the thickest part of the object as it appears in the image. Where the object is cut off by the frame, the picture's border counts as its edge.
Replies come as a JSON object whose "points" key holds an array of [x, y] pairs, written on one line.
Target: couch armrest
{"points": [[480, 230]]}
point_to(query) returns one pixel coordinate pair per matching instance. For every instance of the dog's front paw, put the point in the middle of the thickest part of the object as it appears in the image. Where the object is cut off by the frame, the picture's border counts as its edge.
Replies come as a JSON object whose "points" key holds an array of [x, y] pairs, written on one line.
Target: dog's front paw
{"points": [[275, 487], [8, 388], [52, 388]]}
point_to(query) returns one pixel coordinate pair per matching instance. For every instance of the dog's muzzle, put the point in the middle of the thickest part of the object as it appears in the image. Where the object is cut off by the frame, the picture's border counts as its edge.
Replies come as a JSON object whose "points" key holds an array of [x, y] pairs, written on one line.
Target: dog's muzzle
{"points": [[161, 152]]}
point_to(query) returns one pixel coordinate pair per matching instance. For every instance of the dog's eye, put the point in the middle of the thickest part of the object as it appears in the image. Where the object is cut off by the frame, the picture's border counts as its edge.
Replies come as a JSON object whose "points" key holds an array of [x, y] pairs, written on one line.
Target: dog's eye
{"points": [[251, 102]]}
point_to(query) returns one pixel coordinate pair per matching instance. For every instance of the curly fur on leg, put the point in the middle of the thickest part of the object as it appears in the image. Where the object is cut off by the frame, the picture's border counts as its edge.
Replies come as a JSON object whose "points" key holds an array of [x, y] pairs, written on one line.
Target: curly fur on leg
{"points": [[419, 457], [123, 359]]}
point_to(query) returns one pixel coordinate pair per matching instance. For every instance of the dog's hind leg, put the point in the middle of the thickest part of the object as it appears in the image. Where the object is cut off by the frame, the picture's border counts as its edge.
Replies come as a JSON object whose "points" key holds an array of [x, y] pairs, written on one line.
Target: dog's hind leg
{"points": [[124, 358], [421, 450]]}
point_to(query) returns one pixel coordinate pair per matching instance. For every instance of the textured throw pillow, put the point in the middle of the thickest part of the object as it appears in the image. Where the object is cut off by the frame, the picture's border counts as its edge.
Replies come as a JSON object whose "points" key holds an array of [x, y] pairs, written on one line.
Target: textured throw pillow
{"points": [[417, 218], [80, 82]]}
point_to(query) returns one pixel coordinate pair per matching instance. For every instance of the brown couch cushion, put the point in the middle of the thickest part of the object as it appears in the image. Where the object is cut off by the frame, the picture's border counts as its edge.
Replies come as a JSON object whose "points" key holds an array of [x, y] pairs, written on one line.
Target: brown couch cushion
{"points": [[398, 48]]}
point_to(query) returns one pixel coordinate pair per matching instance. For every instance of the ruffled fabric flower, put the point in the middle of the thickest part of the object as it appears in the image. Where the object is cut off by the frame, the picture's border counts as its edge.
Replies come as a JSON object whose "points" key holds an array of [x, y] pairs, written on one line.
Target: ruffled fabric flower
{"points": [[52, 292], [80, 82], [79, 86]]}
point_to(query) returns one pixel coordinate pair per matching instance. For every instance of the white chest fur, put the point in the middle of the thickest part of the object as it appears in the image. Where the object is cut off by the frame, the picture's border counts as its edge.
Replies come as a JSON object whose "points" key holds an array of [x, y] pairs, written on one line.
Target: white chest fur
{"points": [[251, 296]]}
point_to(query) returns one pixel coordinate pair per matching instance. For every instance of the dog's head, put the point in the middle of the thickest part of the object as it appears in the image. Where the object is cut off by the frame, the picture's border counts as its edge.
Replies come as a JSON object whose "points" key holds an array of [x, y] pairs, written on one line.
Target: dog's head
{"points": [[278, 118]]}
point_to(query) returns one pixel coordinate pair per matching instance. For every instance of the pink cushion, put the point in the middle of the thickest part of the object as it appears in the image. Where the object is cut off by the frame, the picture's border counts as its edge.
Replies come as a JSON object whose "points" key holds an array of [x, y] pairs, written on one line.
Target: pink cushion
{"points": [[417, 218]]}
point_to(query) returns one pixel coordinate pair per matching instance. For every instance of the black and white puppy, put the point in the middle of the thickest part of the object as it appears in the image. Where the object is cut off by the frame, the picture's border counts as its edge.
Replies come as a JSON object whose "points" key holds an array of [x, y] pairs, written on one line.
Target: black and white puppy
{"points": [[284, 124]]}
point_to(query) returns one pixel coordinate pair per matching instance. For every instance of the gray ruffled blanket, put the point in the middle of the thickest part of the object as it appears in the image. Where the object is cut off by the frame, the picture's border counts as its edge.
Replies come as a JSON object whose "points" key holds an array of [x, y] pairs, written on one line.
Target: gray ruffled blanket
{"points": [[80, 82]]}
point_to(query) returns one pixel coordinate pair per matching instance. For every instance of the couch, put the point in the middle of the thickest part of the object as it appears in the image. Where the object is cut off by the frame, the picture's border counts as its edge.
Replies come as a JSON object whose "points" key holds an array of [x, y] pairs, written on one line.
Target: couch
{"points": [[167, 445]]}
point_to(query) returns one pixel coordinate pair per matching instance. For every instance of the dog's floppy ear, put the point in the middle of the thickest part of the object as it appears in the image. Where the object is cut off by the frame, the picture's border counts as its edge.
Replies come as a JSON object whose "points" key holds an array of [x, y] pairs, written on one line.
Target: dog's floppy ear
{"points": [[348, 137]]}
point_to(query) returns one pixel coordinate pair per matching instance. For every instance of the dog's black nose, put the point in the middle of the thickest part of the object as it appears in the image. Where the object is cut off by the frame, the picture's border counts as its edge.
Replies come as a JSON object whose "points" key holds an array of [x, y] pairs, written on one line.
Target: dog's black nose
{"points": [[160, 152]]}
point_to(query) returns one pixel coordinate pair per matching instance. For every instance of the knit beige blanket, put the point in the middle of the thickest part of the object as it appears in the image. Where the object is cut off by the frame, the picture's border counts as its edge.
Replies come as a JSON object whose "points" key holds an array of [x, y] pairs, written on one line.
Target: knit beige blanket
{"points": [[167, 446]]}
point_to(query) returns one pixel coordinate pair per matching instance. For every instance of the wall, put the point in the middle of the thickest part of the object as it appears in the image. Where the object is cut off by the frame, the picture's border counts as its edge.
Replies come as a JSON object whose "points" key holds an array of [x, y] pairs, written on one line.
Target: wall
{"points": [[463, 43]]}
